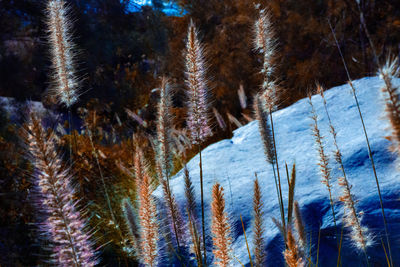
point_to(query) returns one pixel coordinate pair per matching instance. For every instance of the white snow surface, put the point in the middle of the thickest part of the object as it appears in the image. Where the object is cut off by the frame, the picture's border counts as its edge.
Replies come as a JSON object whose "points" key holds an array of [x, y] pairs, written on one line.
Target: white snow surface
{"points": [[233, 163]]}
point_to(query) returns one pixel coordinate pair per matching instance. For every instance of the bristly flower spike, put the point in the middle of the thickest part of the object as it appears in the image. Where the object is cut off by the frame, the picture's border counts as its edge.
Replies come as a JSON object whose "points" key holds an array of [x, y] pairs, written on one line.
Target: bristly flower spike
{"points": [[164, 160], [198, 120], [359, 234], [265, 43], [221, 228], [65, 84], [164, 127], [264, 128], [148, 224], [323, 162], [64, 225], [391, 96], [292, 254], [258, 225]]}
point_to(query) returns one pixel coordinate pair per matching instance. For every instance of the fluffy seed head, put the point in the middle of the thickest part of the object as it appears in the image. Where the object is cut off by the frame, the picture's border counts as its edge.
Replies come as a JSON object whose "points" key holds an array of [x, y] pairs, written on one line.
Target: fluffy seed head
{"points": [[65, 84], [291, 253], [221, 228], [359, 234], [148, 223], [265, 43], [258, 226], [323, 158], [352, 219], [198, 114], [299, 225], [392, 99], [190, 195], [264, 128], [64, 225], [164, 127]]}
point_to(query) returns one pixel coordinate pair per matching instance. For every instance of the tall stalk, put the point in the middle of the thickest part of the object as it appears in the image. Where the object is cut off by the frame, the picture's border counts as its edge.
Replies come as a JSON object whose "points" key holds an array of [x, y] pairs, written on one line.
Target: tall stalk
{"points": [[323, 162], [279, 177], [163, 153], [359, 234], [202, 207], [267, 139], [366, 137], [265, 43], [198, 106]]}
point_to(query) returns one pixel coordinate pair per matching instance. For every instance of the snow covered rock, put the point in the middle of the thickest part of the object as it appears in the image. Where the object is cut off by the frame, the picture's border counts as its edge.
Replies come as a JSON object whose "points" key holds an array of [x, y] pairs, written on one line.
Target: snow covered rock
{"points": [[233, 163]]}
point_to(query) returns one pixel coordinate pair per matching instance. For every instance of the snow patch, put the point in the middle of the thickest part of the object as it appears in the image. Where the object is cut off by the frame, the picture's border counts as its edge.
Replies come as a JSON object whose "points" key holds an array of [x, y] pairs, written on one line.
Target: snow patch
{"points": [[233, 163]]}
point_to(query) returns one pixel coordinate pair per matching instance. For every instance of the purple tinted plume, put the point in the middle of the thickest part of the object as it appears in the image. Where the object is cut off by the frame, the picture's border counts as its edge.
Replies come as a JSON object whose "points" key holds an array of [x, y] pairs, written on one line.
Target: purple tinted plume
{"points": [[198, 114], [64, 224]]}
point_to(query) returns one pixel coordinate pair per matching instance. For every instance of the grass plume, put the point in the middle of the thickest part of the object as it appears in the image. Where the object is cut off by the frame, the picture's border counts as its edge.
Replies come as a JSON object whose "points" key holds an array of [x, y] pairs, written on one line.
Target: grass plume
{"points": [[197, 88], [391, 95], [299, 226], [148, 224], [164, 158], [323, 163], [258, 225], [63, 57], [189, 194], [292, 253], [64, 224], [265, 43], [264, 128], [221, 228], [359, 234], [198, 106]]}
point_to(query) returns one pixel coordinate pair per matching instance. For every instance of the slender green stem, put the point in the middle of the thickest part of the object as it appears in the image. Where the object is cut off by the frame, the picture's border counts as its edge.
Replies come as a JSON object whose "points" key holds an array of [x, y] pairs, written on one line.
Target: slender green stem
{"points": [[340, 247], [172, 212], [366, 136], [105, 189], [384, 250], [70, 134], [247, 244], [279, 179], [202, 207], [319, 239]]}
